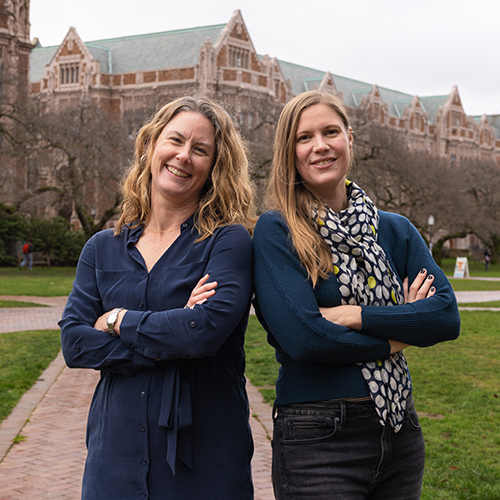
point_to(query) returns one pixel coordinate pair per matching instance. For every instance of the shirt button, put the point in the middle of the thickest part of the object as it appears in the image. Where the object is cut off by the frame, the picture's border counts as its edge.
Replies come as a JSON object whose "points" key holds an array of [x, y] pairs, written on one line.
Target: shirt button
{"points": [[77, 348], [132, 346], [141, 304], [144, 462], [143, 429], [143, 394], [184, 224], [193, 324]]}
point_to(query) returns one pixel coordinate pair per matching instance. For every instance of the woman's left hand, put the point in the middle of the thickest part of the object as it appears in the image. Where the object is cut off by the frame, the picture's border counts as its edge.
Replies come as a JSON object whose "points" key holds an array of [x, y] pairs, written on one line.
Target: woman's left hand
{"points": [[421, 288]]}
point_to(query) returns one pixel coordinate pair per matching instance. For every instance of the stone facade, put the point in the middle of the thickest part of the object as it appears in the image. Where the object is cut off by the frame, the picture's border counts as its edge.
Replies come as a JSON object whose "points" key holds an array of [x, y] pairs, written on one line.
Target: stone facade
{"points": [[132, 76], [138, 73], [15, 48]]}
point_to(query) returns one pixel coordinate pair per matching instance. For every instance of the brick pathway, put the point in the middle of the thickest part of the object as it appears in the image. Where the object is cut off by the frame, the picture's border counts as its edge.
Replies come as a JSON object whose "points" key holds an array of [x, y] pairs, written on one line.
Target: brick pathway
{"points": [[49, 462]]}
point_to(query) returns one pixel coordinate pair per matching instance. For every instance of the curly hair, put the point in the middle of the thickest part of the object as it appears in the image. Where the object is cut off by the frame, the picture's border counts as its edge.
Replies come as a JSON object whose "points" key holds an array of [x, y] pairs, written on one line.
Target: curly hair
{"points": [[226, 198], [290, 195]]}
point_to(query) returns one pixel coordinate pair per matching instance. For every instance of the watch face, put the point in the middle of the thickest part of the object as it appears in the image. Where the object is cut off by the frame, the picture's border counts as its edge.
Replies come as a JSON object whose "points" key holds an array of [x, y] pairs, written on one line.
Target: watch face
{"points": [[110, 322]]}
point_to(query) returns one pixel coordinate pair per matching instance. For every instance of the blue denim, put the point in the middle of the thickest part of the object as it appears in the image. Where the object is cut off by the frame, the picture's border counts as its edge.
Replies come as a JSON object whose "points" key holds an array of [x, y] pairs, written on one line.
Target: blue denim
{"points": [[339, 450]]}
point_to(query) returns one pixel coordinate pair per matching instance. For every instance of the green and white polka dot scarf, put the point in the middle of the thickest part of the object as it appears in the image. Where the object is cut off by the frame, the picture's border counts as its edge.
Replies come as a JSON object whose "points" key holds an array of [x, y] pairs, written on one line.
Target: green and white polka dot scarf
{"points": [[365, 278]]}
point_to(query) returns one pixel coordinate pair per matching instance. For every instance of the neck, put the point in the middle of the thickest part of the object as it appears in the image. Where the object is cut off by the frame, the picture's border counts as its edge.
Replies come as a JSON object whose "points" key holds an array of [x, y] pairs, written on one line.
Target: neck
{"points": [[165, 219]]}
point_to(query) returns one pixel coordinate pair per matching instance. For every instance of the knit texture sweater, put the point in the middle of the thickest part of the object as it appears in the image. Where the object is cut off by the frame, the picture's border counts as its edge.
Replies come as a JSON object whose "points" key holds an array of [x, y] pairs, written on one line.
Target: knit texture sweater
{"points": [[317, 357]]}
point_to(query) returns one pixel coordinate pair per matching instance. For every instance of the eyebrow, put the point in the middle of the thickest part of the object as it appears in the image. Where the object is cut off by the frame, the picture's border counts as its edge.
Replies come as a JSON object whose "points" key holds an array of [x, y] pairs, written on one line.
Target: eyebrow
{"points": [[206, 144]]}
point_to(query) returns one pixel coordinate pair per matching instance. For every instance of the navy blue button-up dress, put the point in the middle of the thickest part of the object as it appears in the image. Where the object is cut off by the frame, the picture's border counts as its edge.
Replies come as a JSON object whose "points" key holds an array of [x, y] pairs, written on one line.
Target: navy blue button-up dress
{"points": [[169, 417]]}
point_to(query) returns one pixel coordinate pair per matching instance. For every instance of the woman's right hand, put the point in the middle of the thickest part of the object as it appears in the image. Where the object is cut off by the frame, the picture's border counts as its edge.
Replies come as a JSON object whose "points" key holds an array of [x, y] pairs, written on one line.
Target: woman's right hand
{"points": [[201, 292], [421, 288]]}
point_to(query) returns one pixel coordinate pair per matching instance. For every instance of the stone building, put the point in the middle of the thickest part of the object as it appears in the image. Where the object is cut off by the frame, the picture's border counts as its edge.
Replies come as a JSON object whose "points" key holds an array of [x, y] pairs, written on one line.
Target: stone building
{"points": [[131, 76], [139, 72], [15, 48]]}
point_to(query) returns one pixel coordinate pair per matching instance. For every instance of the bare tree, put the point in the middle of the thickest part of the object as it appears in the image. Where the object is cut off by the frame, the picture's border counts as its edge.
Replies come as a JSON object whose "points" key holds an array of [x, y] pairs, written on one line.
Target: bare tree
{"points": [[79, 154], [414, 184]]}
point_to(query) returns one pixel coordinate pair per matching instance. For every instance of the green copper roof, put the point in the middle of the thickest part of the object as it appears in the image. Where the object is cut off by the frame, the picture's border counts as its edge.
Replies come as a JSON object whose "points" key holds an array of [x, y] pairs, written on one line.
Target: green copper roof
{"points": [[169, 49]]}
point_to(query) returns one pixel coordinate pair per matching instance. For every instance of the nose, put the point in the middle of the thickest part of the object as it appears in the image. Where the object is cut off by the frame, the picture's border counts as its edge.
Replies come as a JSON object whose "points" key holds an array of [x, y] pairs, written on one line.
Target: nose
{"points": [[183, 154], [320, 144]]}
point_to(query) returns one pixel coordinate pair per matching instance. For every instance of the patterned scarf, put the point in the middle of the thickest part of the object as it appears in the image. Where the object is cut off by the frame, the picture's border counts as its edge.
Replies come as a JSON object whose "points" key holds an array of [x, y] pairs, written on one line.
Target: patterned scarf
{"points": [[365, 278]]}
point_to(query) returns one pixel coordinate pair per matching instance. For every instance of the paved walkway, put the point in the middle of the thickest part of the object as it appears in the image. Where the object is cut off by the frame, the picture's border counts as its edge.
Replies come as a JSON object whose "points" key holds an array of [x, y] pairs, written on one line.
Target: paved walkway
{"points": [[51, 418]]}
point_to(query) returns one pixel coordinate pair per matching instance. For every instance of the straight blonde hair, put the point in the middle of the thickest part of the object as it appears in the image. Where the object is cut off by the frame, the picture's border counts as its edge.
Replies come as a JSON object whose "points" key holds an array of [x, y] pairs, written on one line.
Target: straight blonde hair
{"points": [[287, 191], [226, 198]]}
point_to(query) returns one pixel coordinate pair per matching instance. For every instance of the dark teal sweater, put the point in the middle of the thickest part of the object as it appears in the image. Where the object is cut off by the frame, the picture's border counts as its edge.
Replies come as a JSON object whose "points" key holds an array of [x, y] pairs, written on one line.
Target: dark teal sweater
{"points": [[318, 358]]}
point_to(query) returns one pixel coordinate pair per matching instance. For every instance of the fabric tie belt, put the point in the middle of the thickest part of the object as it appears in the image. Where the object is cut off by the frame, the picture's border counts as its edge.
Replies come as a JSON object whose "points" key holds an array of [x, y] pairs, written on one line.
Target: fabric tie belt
{"points": [[176, 416]]}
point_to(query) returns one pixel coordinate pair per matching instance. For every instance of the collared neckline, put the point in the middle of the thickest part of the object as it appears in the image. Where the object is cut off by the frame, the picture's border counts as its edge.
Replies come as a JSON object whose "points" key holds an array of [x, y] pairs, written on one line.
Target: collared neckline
{"points": [[135, 233]]}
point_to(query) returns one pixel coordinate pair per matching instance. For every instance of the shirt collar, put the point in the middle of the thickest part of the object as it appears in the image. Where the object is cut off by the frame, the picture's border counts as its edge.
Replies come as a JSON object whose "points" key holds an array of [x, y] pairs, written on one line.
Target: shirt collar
{"points": [[134, 234]]}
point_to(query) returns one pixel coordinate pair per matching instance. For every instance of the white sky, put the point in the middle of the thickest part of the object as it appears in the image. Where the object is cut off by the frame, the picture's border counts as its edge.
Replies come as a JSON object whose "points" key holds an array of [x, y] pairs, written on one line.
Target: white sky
{"points": [[421, 47]]}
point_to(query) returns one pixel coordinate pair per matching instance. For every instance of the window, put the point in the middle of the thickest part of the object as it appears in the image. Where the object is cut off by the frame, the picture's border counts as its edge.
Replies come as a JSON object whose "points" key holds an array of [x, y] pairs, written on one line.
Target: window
{"points": [[70, 73], [238, 57]]}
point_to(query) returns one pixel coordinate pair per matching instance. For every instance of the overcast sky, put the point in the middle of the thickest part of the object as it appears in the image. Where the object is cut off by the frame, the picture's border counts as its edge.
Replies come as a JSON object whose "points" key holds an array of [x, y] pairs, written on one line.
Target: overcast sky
{"points": [[421, 47]]}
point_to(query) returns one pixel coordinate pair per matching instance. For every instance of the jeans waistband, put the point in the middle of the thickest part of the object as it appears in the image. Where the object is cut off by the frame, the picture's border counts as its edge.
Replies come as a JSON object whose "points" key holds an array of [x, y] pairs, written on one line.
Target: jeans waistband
{"points": [[348, 407]]}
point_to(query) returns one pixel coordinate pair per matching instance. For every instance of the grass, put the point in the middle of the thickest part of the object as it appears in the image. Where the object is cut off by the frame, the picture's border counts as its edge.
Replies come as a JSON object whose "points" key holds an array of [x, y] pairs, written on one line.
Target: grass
{"points": [[456, 380], [53, 282], [475, 269], [472, 285], [494, 303], [18, 303], [23, 358], [459, 381]]}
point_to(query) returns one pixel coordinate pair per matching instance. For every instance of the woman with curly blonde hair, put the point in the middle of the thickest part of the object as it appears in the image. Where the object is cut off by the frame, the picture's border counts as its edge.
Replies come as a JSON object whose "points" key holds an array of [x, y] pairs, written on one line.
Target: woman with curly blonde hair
{"points": [[169, 418]]}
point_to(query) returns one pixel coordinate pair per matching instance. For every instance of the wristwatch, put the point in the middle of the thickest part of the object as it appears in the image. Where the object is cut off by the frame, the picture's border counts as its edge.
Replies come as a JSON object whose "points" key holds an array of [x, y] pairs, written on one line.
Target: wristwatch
{"points": [[111, 320]]}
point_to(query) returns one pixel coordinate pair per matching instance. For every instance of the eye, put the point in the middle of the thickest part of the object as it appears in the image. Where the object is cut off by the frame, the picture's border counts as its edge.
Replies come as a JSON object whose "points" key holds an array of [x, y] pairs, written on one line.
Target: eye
{"points": [[201, 151], [303, 137], [332, 132]]}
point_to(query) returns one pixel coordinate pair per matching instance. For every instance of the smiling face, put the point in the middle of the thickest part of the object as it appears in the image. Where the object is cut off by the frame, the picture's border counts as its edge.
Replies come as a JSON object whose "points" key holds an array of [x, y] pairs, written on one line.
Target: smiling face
{"points": [[182, 158], [323, 154]]}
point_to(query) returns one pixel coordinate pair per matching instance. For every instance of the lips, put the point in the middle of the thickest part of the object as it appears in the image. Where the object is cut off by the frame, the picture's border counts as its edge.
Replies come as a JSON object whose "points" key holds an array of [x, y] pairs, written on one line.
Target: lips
{"points": [[176, 172], [323, 162]]}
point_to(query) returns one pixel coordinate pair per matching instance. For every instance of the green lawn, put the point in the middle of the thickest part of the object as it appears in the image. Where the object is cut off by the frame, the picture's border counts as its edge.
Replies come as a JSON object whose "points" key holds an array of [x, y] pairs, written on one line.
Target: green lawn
{"points": [[457, 381], [23, 358], [494, 303], [18, 303], [53, 282], [475, 269], [472, 285]]}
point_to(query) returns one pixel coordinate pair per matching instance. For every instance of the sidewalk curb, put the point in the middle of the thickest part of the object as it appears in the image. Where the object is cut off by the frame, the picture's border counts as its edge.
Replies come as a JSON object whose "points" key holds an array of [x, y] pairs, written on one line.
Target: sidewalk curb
{"points": [[20, 415]]}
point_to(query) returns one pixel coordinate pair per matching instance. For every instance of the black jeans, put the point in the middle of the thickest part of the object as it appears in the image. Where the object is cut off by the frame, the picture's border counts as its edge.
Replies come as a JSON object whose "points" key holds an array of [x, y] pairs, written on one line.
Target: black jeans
{"points": [[338, 450]]}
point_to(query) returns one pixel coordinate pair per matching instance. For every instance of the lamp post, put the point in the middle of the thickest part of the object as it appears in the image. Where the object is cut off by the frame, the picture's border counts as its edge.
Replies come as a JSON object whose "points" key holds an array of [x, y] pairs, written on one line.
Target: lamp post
{"points": [[430, 223]]}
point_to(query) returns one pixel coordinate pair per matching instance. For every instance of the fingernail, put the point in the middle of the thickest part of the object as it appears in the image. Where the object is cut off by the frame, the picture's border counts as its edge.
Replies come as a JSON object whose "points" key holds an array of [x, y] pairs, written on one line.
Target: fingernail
{"points": [[433, 289], [422, 271], [430, 277]]}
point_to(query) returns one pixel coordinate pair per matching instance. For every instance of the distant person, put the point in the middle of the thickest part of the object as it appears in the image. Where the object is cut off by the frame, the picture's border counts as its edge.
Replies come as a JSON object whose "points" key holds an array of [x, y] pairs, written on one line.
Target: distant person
{"points": [[27, 254], [487, 258], [331, 286], [160, 306]]}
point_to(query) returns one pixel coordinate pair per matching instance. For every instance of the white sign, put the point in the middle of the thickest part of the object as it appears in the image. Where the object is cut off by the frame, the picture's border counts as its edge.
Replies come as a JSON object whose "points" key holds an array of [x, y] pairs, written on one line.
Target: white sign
{"points": [[461, 268]]}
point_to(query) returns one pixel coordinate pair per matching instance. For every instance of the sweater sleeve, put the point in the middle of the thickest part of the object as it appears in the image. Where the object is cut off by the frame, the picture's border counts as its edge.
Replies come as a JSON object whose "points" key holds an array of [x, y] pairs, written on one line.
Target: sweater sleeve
{"points": [[83, 346], [287, 306], [424, 322], [180, 333]]}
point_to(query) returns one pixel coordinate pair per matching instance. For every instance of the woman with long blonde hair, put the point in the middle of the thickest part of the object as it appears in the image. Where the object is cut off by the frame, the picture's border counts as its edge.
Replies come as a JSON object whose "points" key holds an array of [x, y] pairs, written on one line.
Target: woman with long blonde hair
{"points": [[331, 277], [160, 306]]}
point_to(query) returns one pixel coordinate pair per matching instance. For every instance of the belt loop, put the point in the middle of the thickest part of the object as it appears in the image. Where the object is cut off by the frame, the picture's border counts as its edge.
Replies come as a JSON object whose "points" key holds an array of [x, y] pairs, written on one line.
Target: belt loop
{"points": [[343, 413]]}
